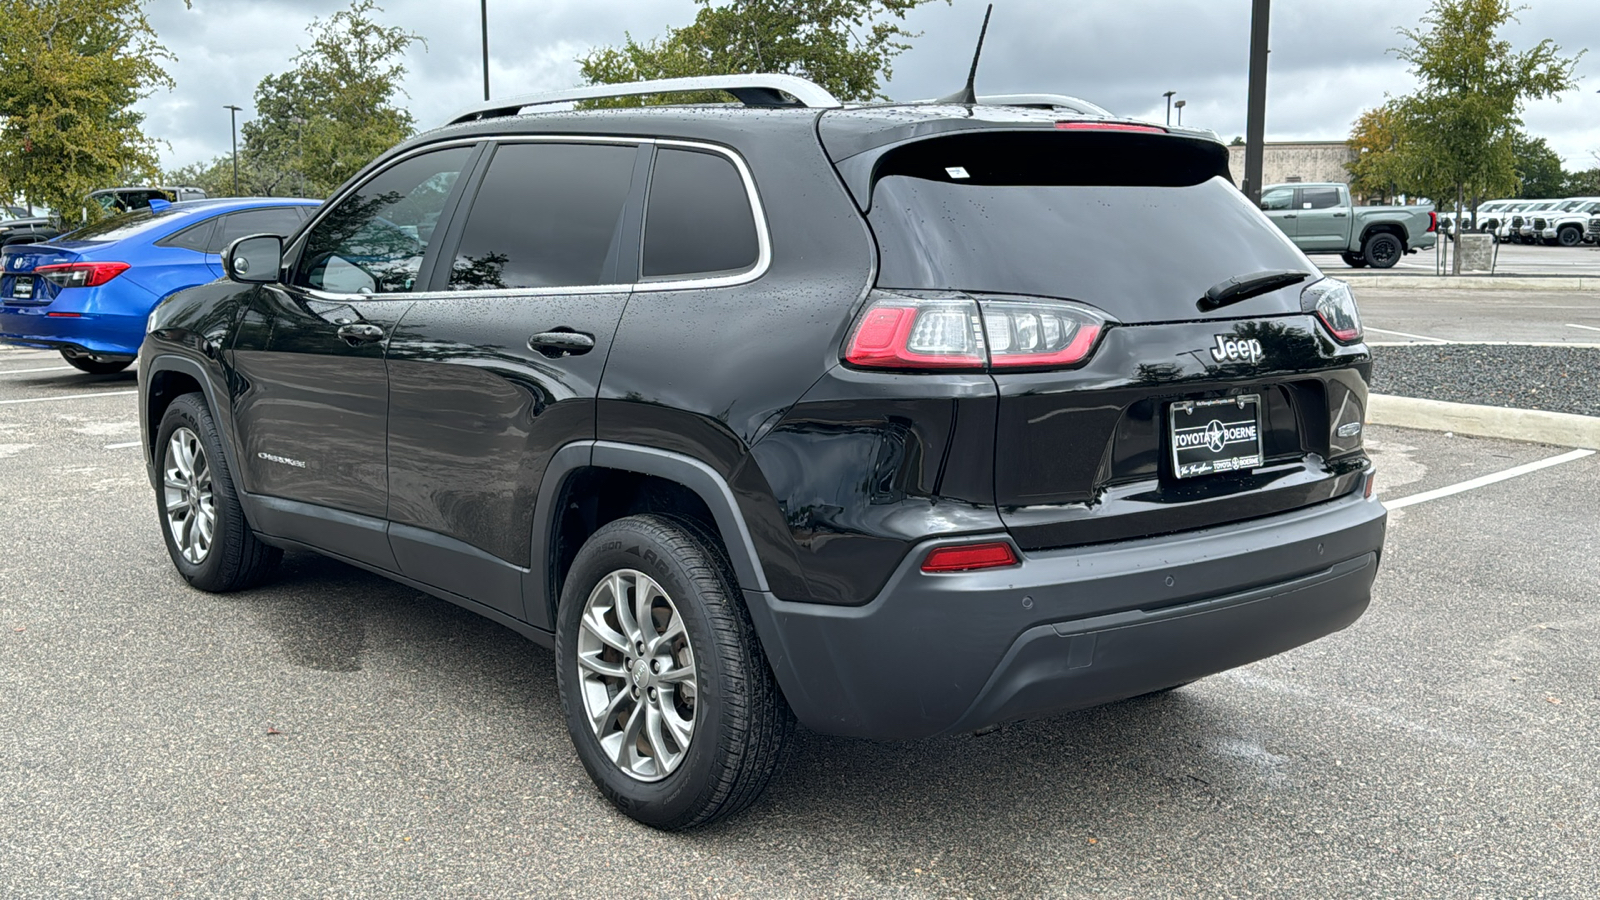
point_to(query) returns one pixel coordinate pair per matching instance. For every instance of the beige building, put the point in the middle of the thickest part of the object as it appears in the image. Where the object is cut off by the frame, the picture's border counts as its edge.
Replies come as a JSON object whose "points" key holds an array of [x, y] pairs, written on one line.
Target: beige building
{"points": [[1296, 161]]}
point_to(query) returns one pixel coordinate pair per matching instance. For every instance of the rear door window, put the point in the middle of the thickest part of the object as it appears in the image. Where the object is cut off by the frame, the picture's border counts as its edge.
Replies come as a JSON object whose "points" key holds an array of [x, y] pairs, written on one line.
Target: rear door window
{"points": [[280, 220], [546, 215], [1319, 198], [698, 221]]}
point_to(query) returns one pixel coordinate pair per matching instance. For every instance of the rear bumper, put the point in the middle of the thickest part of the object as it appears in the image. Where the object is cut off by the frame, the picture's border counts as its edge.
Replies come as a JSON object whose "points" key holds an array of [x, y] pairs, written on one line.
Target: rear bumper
{"points": [[95, 334], [1069, 629]]}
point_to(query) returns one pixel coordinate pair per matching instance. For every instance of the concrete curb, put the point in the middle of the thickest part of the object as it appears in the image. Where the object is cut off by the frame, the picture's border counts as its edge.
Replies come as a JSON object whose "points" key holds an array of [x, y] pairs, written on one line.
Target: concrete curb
{"points": [[1472, 282], [1559, 429]]}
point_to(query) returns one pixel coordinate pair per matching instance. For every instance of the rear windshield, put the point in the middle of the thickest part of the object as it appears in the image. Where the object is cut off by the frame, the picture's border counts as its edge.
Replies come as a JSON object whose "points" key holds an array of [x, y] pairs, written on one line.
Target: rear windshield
{"points": [[117, 227], [1139, 226]]}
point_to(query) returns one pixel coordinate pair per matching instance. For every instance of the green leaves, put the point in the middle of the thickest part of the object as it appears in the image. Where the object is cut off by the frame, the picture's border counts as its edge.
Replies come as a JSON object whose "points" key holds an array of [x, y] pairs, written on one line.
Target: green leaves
{"points": [[323, 120], [70, 72], [1459, 131], [846, 46]]}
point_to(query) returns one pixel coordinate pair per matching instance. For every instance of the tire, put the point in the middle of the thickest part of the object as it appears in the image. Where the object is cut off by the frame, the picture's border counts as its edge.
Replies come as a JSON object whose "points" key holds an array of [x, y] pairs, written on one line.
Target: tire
{"points": [[233, 558], [95, 366], [1570, 236], [1353, 260], [1382, 250], [739, 723]]}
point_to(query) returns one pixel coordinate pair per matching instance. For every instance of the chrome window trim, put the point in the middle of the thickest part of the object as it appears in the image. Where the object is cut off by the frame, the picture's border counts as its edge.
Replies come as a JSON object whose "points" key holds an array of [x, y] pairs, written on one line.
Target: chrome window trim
{"points": [[667, 283]]}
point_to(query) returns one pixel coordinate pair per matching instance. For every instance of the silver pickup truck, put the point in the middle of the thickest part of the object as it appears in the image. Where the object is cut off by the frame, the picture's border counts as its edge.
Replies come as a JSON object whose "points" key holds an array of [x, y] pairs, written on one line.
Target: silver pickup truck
{"points": [[1320, 219]]}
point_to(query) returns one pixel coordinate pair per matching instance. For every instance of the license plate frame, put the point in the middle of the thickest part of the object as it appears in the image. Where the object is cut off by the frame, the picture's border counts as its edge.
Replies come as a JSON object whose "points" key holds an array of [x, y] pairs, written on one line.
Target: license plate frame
{"points": [[22, 287], [1211, 437]]}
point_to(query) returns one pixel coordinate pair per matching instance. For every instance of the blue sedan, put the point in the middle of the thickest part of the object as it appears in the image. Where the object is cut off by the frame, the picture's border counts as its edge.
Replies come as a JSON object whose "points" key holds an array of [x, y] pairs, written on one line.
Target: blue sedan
{"points": [[89, 292]]}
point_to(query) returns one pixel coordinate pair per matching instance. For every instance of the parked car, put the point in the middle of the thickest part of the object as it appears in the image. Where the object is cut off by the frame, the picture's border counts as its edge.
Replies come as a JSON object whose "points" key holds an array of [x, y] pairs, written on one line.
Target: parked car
{"points": [[27, 230], [1567, 226], [1489, 215], [1320, 219], [128, 199], [1533, 220], [874, 417], [87, 293]]}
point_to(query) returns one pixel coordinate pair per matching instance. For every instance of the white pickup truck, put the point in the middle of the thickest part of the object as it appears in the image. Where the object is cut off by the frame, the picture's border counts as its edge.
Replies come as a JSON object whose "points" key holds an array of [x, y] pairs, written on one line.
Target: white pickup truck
{"points": [[1320, 219]]}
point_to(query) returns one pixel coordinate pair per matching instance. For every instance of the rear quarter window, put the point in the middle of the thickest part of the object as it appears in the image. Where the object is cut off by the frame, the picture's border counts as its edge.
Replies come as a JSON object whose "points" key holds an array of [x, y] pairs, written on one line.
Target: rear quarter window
{"points": [[698, 220]]}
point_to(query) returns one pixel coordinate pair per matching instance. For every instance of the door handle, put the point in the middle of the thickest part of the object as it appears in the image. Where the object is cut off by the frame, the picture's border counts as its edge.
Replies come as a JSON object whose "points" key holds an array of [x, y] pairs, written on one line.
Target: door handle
{"points": [[1338, 215], [556, 344], [1289, 216], [360, 333]]}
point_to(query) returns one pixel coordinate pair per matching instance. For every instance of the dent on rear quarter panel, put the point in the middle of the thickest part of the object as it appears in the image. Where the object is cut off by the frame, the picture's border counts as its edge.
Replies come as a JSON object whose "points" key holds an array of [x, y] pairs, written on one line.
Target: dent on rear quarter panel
{"points": [[700, 372]]}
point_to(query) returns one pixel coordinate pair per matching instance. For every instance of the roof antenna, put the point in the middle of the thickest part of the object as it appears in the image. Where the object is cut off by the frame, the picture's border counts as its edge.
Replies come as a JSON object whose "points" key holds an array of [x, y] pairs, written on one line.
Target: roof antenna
{"points": [[968, 96]]}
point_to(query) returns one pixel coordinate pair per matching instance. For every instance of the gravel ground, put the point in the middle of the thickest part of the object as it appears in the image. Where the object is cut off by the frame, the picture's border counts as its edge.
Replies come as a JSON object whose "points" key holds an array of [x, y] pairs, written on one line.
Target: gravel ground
{"points": [[1554, 379]]}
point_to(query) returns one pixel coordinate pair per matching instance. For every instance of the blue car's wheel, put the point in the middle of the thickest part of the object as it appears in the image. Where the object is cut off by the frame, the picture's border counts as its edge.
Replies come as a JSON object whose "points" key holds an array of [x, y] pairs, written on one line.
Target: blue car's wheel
{"points": [[97, 366]]}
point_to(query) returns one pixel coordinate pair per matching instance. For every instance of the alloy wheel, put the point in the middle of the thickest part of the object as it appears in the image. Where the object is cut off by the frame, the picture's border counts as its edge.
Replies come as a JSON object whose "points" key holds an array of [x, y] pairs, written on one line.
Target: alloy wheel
{"points": [[187, 499], [636, 675]]}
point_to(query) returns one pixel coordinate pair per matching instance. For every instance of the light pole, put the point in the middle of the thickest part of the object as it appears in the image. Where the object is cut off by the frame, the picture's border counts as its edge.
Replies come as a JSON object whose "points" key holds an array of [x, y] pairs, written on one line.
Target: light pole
{"points": [[300, 150], [1255, 123], [1179, 107], [1168, 95], [233, 119], [484, 8]]}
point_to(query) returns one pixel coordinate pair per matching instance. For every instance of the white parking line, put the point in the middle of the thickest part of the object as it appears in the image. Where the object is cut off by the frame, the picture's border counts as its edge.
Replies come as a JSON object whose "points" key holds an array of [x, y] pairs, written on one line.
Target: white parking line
{"points": [[1512, 472], [67, 397], [26, 371], [123, 446], [1420, 337], [1587, 327]]}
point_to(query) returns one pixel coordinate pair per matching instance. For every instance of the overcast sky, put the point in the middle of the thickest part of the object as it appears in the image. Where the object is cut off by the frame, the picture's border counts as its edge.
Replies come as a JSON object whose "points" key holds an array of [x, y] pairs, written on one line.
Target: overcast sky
{"points": [[1330, 58]]}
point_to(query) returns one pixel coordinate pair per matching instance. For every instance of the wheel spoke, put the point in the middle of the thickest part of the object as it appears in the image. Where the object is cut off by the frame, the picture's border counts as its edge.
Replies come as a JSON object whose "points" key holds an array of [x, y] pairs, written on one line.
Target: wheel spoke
{"points": [[680, 728], [598, 666], [607, 713], [673, 629], [619, 604], [175, 504], [627, 749], [652, 733], [593, 623], [678, 675]]}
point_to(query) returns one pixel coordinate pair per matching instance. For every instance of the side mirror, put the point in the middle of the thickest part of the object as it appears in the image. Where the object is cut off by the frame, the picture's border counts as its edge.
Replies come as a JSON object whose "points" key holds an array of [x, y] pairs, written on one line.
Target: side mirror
{"points": [[255, 259]]}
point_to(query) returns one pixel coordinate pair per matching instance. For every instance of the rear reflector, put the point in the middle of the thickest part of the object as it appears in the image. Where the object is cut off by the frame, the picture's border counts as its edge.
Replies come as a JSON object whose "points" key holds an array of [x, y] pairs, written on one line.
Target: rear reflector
{"points": [[966, 557], [81, 274], [58, 315], [1108, 126]]}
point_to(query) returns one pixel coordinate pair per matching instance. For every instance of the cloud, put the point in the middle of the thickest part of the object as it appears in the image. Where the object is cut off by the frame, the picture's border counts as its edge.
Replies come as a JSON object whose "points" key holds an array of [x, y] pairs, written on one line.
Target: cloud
{"points": [[1329, 60]]}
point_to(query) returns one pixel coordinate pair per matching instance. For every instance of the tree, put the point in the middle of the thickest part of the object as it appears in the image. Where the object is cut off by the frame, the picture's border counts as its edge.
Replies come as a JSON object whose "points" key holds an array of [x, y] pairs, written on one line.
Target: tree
{"points": [[1538, 168], [1583, 184], [1375, 139], [846, 46], [70, 72], [1456, 133], [322, 121]]}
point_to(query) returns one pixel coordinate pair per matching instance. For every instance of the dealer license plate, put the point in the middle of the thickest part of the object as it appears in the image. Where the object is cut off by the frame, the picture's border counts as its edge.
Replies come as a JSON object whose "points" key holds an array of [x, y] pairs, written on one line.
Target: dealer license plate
{"points": [[22, 288], [1210, 436]]}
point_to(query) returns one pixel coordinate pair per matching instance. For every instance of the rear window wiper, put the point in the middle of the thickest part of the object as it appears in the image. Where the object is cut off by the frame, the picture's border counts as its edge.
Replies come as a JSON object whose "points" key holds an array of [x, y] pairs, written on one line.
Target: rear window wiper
{"points": [[1243, 287]]}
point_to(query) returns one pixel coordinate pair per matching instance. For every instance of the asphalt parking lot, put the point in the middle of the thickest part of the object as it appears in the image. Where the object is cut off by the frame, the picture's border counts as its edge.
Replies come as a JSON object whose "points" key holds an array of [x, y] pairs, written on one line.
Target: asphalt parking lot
{"points": [[1513, 259], [335, 734], [1442, 315]]}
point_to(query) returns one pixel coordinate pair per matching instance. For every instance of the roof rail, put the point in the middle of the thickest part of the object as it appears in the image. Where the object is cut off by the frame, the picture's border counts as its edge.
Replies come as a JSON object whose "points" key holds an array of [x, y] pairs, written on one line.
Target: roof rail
{"points": [[751, 90], [1045, 101]]}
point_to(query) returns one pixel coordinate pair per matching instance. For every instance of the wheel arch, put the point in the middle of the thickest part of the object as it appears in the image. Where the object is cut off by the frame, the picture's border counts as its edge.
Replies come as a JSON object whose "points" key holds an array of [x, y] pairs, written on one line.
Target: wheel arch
{"points": [[591, 483], [163, 380], [1393, 228]]}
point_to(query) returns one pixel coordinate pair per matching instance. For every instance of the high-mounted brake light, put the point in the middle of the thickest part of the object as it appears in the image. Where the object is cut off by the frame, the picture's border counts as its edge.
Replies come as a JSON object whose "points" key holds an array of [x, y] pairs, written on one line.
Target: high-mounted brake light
{"points": [[81, 274], [973, 333], [1109, 126], [967, 557]]}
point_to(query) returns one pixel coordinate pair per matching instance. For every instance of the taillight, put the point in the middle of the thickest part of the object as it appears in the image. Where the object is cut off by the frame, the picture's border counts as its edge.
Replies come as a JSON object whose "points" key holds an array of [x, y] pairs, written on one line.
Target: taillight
{"points": [[959, 332], [967, 557], [1330, 299], [81, 274], [1433, 221]]}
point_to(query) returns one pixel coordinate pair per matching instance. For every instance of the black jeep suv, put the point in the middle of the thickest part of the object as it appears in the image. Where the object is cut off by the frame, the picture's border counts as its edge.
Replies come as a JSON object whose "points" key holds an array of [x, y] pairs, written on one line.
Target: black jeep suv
{"points": [[896, 420]]}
